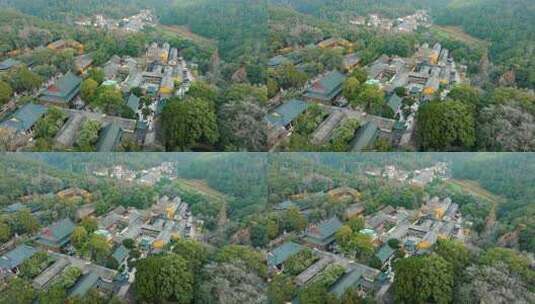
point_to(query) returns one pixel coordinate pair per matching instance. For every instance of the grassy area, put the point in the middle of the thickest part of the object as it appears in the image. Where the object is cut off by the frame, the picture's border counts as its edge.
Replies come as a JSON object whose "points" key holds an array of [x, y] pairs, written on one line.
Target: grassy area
{"points": [[184, 32], [457, 33], [201, 187], [475, 189]]}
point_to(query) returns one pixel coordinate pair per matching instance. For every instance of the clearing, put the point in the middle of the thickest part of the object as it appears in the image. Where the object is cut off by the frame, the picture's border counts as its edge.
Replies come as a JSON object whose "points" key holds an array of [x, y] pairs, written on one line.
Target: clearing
{"points": [[202, 187], [186, 33], [457, 33], [475, 189]]}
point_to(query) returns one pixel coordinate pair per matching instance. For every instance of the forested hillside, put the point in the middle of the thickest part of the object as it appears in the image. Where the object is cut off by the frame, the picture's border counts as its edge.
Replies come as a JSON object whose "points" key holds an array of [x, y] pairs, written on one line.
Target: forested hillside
{"points": [[508, 25], [241, 176], [512, 176], [239, 26], [67, 9], [333, 9]]}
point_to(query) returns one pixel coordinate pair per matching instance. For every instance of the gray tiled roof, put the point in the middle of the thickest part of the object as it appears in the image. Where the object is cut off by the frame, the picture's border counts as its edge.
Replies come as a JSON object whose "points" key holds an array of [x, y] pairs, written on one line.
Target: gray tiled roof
{"points": [[57, 234], [25, 117], [280, 254], [16, 256], [284, 114], [327, 87], [64, 90], [365, 136], [109, 138], [324, 231]]}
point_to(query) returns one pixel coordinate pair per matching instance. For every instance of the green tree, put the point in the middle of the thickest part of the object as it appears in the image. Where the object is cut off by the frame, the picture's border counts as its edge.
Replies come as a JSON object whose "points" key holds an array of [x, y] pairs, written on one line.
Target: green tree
{"points": [[97, 74], [49, 125], [294, 220], [25, 222], [5, 92], [90, 224], [79, 237], [17, 291], [56, 294], [351, 89], [467, 95], [163, 278], [5, 231], [109, 99], [316, 294], [98, 248], [192, 251], [343, 237], [281, 290], [88, 135], [23, 79], [423, 279], [129, 243], [447, 125], [259, 237], [34, 265], [190, 122], [455, 253], [236, 254], [88, 90], [360, 74], [371, 98]]}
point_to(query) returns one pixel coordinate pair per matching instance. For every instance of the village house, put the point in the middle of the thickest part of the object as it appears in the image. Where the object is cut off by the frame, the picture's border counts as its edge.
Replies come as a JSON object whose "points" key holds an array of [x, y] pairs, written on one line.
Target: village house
{"points": [[63, 91], [56, 236], [365, 137], [90, 281], [313, 270], [11, 261], [279, 255], [120, 254], [84, 211], [394, 102], [9, 64], [321, 235], [83, 62], [25, 118], [63, 44], [351, 61], [285, 114], [279, 121], [385, 255], [109, 138], [357, 276], [326, 88]]}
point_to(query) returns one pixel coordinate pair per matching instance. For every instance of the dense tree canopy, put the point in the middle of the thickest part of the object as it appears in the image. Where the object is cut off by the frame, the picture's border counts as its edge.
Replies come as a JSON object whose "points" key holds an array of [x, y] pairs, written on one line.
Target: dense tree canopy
{"points": [[447, 125]]}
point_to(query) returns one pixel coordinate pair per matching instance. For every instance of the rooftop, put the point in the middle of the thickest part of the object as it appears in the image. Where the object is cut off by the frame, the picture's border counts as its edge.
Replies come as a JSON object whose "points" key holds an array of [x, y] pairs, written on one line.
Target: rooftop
{"points": [[83, 285], [109, 138], [280, 254], [348, 281], [133, 102], [384, 253], [323, 232], [120, 254], [57, 234], [284, 114], [16, 257], [8, 64], [25, 118], [365, 136], [327, 87], [394, 102], [64, 90]]}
